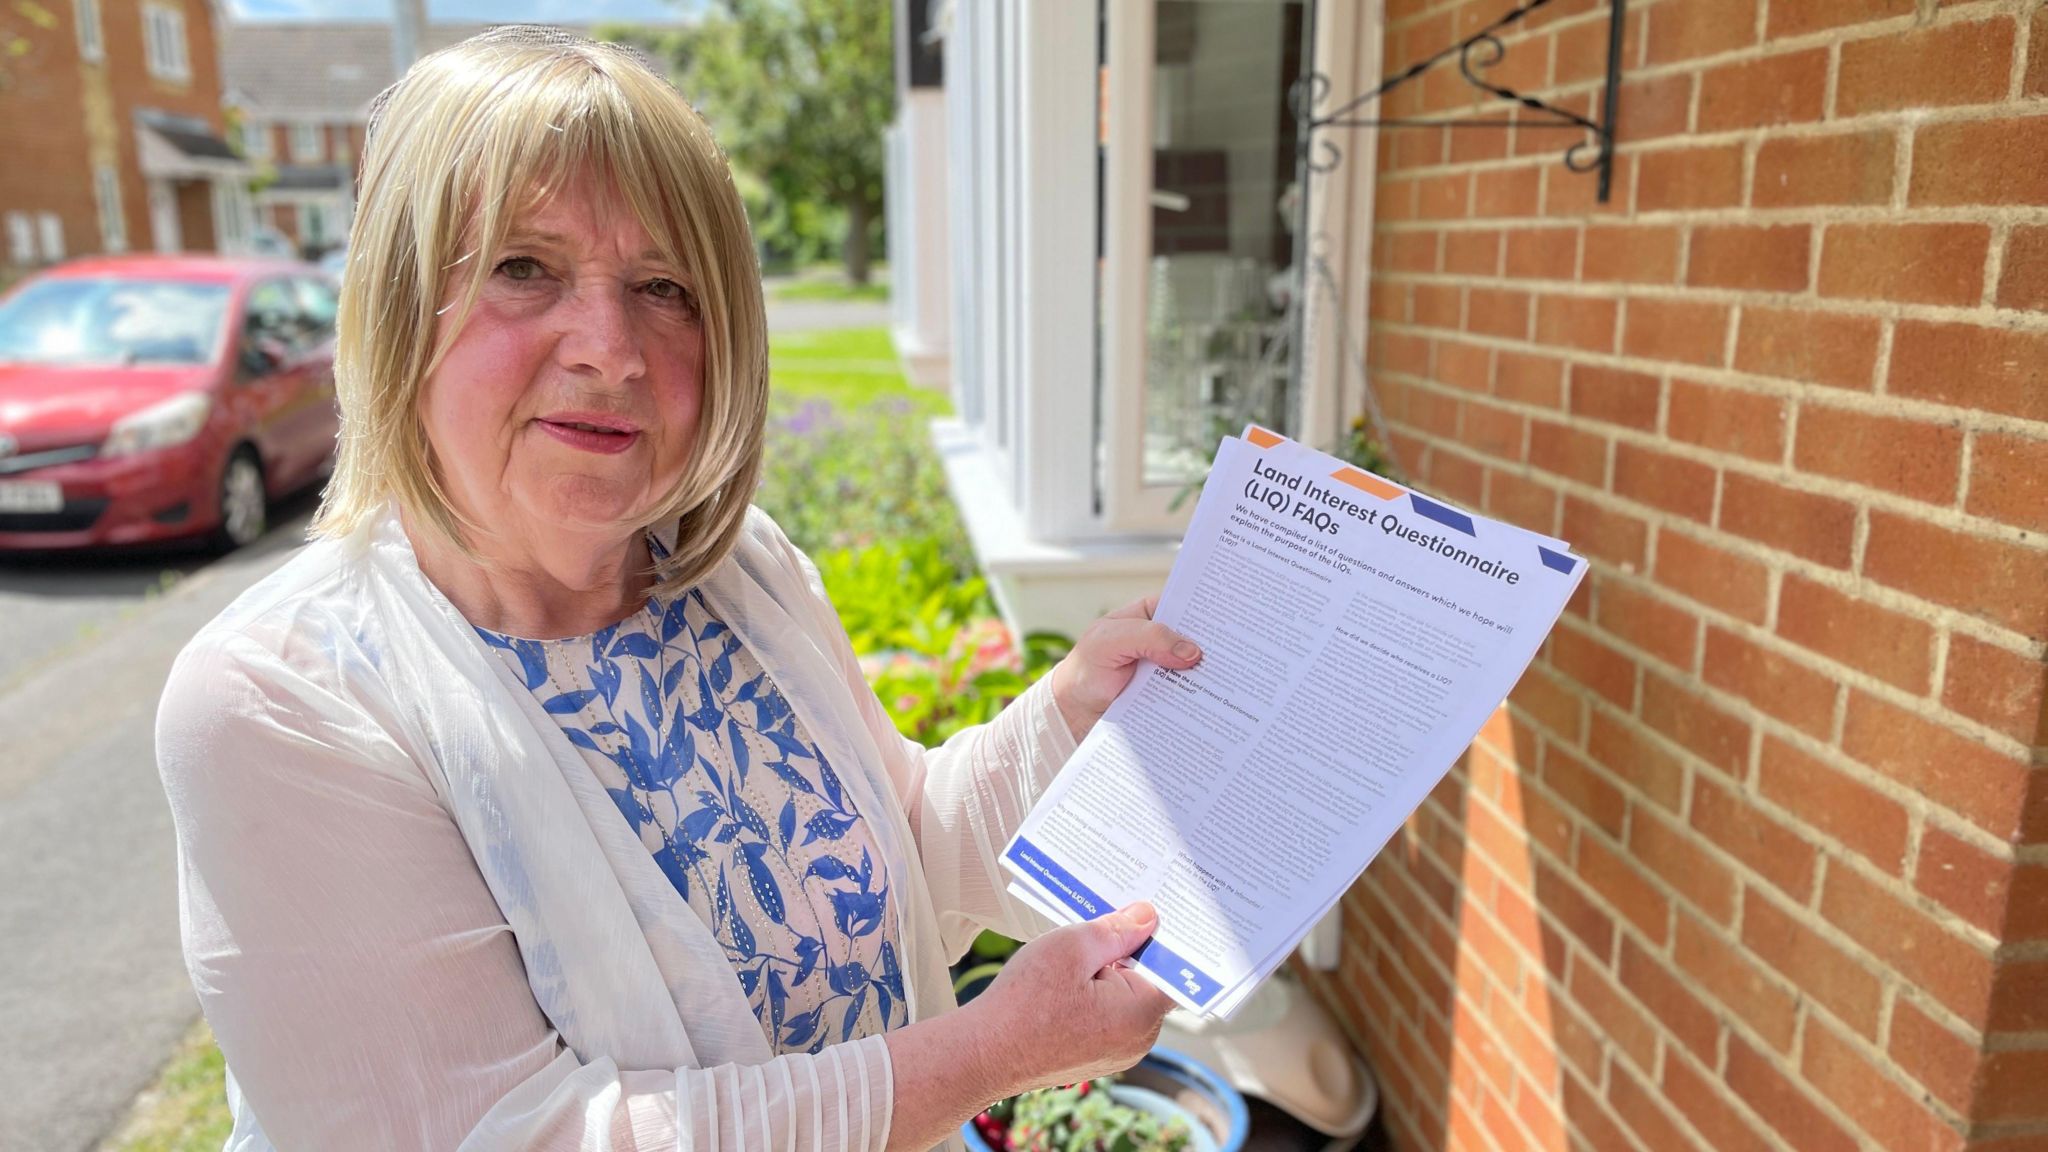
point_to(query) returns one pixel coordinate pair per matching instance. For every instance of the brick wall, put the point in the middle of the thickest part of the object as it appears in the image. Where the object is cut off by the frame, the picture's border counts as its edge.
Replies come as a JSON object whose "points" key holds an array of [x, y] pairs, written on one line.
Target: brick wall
{"points": [[1757, 855]]}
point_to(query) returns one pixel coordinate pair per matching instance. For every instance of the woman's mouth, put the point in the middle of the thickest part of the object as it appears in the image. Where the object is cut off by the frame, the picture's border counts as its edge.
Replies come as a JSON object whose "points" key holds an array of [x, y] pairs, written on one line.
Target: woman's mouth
{"points": [[590, 436]]}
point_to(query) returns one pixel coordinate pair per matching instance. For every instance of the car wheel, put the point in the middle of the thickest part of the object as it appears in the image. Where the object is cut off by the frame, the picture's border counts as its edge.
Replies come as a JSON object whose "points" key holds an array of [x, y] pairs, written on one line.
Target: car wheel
{"points": [[244, 508]]}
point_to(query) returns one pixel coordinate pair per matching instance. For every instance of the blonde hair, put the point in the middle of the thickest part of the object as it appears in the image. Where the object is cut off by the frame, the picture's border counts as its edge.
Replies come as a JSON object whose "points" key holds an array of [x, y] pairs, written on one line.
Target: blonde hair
{"points": [[469, 138]]}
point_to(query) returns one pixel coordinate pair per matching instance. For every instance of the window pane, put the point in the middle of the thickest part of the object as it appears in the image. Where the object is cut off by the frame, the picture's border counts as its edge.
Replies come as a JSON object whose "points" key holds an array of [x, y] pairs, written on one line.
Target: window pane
{"points": [[1219, 335]]}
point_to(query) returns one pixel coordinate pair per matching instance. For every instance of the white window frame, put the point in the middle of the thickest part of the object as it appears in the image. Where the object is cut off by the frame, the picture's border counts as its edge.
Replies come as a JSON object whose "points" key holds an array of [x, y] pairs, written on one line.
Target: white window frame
{"points": [[255, 140], [1129, 504], [163, 42], [50, 236], [91, 44], [21, 239], [106, 194], [308, 142]]}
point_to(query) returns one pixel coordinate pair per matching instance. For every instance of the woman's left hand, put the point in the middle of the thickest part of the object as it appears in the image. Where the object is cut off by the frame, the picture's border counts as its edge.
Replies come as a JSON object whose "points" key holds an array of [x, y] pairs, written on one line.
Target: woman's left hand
{"points": [[1107, 655]]}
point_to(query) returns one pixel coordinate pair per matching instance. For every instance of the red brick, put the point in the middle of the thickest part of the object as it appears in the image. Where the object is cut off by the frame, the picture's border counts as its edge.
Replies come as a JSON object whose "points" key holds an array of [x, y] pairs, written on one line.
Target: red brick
{"points": [[1724, 972], [1583, 789], [1639, 1108], [1788, 20], [1461, 479], [1675, 179], [1818, 347], [1665, 631], [1438, 305], [1575, 194], [1405, 252], [1806, 171], [1787, 942], [1497, 312], [1543, 253], [1568, 451], [1726, 419], [2009, 478], [1867, 821], [1604, 534], [1996, 580], [1677, 857], [2026, 914], [1521, 500], [1963, 878], [1595, 664], [1894, 648], [1579, 916], [1676, 484], [1776, 684], [1551, 704], [1499, 193], [1631, 254], [1790, 88], [1976, 162], [1913, 458], [1819, 528], [1614, 395], [1526, 378], [1632, 1032], [1652, 107], [1931, 1054], [1681, 330], [1472, 252], [1996, 687], [1682, 715], [2019, 998], [1400, 352], [1625, 887], [1468, 367], [1869, 1098], [1702, 1100], [2035, 81], [1719, 579], [1782, 1102], [1632, 757], [1956, 63], [1582, 322], [1964, 775], [1771, 850], [2023, 283], [1685, 29], [1989, 369], [1496, 432], [1443, 197], [2012, 1086], [1911, 263], [1758, 258], [1944, 966]]}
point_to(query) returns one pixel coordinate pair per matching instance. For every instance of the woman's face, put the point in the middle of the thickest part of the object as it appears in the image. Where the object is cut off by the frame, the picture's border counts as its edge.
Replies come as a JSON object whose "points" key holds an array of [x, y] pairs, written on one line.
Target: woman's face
{"points": [[569, 399]]}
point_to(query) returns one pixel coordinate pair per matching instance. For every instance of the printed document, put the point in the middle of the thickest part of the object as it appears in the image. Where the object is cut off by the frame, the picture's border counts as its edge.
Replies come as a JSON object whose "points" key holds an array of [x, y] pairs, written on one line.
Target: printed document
{"points": [[1355, 636]]}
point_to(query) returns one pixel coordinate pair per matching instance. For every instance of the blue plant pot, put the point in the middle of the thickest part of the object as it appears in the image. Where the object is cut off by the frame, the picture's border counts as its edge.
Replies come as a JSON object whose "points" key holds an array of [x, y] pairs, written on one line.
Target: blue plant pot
{"points": [[1167, 1083]]}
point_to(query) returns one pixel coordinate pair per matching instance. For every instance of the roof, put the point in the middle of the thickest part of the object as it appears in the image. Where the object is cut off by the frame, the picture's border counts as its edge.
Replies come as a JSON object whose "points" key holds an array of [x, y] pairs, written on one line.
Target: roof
{"points": [[181, 266], [318, 71]]}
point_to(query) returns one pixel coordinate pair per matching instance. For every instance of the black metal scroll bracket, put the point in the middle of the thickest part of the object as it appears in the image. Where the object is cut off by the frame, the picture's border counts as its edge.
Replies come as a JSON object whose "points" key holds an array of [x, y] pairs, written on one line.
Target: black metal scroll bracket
{"points": [[1476, 53]]}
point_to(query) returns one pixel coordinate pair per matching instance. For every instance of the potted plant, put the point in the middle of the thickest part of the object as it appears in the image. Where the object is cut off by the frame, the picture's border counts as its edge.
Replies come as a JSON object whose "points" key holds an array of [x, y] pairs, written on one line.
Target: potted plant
{"points": [[1168, 1103]]}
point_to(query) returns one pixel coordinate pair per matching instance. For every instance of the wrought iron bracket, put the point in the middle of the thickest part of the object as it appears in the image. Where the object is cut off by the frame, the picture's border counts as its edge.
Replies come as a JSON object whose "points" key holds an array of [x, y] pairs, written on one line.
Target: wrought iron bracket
{"points": [[1475, 55]]}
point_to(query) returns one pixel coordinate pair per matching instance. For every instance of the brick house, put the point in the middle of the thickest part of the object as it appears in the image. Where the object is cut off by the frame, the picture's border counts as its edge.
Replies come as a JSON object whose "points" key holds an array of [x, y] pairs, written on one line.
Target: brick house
{"points": [[113, 135], [1756, 856]]}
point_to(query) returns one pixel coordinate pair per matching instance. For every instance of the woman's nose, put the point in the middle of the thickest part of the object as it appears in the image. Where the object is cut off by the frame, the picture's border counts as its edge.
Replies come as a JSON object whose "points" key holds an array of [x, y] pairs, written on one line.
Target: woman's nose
{"points": [[599, 337]]}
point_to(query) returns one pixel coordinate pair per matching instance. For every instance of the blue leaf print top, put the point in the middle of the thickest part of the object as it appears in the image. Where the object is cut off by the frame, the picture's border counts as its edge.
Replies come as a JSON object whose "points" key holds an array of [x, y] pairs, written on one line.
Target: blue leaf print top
{"points": [[704, 758]]}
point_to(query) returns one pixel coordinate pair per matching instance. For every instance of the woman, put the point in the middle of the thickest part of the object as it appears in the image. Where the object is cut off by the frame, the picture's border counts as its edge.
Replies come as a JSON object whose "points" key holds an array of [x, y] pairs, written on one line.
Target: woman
{"points": [[540, 803]]}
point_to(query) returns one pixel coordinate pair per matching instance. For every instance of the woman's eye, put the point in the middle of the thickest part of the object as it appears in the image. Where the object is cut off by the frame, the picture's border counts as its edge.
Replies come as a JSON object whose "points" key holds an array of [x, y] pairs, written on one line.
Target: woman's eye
{"points": [[665, 290], [519, 268]]}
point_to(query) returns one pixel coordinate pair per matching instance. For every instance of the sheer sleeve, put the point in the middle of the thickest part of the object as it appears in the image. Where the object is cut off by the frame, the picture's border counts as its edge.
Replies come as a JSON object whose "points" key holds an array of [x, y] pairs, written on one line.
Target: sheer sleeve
{"points": [[360, 979], [965, 798]]}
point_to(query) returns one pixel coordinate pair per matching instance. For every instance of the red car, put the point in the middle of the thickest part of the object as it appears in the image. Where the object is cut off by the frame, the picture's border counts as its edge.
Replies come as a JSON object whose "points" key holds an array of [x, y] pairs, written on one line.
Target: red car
{"points": [[153, 398]]}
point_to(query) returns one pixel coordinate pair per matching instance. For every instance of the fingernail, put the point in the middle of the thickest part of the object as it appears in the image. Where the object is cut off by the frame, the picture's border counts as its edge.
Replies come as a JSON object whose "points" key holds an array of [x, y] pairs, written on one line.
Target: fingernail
{"points": [[1142, 915], [1186, 650]]}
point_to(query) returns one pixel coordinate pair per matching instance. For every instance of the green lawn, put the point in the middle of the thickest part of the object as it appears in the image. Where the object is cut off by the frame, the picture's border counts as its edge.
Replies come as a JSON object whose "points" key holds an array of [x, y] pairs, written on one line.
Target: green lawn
{"points": [[849, 369], [836, 289]]}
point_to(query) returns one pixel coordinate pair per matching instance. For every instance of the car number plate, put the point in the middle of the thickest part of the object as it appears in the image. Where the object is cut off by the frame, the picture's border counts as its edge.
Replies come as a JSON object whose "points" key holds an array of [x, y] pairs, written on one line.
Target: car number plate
{"points": [[30, 496]]}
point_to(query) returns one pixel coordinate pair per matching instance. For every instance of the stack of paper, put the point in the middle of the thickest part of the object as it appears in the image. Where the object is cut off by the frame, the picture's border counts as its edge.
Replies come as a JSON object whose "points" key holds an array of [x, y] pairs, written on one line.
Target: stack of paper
{"points": [[1355, 637]]}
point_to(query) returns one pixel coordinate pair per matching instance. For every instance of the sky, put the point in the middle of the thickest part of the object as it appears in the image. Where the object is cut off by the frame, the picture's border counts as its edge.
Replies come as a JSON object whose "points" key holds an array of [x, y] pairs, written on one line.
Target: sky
{"points": [[469, 11]]}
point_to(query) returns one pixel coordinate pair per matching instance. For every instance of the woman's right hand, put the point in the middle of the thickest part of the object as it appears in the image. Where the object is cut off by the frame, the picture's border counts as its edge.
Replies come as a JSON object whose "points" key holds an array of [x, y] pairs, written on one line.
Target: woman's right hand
{"points": [[1064, 1009]]}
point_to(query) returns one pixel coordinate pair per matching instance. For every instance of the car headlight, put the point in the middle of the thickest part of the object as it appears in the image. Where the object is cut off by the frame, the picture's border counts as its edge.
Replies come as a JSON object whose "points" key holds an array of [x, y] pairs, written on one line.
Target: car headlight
{"points": [[173, 421]]}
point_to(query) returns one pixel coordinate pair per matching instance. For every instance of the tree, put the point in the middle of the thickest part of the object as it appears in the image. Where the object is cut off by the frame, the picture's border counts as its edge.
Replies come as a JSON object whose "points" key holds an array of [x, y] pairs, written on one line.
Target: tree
{"points": [[799, 92]]}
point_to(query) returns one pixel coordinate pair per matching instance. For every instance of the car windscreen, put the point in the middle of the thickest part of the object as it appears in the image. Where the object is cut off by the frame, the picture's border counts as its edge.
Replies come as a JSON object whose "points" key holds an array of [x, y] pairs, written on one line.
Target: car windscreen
{"points": [[101, 322]]}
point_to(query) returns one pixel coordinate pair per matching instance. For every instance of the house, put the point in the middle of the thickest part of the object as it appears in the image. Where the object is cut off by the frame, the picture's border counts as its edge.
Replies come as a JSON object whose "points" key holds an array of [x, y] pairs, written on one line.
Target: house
{"points": [[113, 134], [1756, 855]]}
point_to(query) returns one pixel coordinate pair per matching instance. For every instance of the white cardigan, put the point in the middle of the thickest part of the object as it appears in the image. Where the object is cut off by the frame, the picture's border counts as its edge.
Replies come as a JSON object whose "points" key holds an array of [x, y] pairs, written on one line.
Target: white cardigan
{"points": [[415, 920]]}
